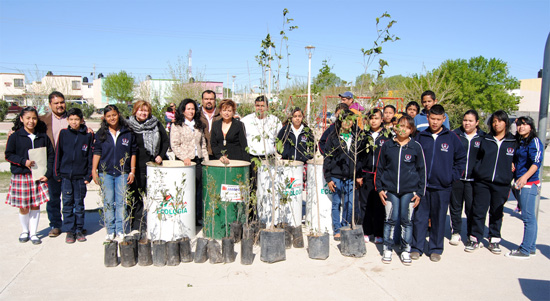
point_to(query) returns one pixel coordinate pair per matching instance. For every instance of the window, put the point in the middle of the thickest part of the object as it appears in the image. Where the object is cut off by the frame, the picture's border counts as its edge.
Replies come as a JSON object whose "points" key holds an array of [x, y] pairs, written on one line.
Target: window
{"points": [[76, 84], [18, 83]]}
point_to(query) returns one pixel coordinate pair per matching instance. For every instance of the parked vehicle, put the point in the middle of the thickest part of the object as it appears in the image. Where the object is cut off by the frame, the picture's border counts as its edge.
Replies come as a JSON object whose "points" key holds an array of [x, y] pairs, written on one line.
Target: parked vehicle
{"points": [[14, 108]]}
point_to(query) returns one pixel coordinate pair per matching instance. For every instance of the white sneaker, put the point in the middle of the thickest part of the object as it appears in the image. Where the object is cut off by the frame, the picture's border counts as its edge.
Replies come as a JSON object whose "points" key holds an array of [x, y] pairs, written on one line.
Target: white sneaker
{"points": [[455, 239], [110, 237], [406, 258], [366, 238], [120, 236], [387, 256], [378, 240]]}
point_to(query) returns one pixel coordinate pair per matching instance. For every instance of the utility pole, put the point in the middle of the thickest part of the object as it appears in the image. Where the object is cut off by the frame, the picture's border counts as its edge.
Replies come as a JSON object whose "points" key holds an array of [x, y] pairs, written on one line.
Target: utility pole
{"points": [[309, 50]]}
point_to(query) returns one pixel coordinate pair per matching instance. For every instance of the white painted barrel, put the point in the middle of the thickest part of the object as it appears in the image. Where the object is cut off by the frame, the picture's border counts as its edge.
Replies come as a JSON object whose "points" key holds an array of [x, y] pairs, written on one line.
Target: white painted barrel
{"points": [[317, 189], [170, 201], [289, 180]]}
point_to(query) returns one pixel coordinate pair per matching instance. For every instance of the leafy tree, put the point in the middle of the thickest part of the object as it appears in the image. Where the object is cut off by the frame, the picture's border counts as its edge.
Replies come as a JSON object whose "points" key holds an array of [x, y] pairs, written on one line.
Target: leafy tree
{"points": [[119, 86], [481, 83], [325, 79], [436, 80], [4, 106], [87, 109]]}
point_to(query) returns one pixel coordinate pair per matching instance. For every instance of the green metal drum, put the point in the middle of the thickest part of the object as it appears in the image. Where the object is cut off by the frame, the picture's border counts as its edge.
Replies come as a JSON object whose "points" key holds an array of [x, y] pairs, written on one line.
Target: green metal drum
{"points": [[221, 190]]}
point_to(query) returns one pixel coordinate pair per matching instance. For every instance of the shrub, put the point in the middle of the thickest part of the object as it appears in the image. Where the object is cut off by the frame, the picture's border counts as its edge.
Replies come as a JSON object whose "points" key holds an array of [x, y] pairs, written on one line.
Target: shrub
{"points": [[3, 109]]}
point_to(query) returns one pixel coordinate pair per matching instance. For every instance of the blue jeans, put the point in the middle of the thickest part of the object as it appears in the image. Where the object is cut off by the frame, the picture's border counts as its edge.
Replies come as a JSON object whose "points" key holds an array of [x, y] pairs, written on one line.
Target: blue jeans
{"points": [[398, 206], [74, 192], [527, 199], [114, 200], [341, 196]]}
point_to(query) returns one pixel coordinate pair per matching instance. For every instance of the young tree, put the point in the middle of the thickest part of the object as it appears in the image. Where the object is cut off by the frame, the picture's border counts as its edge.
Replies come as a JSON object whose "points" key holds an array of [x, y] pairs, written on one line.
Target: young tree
{"points": [[325, 79], [119, 86]]}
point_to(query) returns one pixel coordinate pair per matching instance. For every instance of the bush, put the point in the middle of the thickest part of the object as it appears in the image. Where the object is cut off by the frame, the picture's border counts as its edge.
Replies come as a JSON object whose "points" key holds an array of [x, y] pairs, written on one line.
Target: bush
{"points": [[87, 109], [125, 109], [3, 109]]}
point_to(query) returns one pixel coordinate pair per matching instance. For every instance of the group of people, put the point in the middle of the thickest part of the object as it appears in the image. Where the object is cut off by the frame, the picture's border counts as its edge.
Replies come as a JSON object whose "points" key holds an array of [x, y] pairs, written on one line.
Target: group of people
{"points": [[406, 171], [412, 170]]}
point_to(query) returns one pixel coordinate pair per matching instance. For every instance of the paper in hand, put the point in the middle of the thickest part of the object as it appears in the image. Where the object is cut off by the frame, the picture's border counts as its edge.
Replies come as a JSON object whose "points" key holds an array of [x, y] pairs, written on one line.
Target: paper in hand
{"points": [[40, 157]]}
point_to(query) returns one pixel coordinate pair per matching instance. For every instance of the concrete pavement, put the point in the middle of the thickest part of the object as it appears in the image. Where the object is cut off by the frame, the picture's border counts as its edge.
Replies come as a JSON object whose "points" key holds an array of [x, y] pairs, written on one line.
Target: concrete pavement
{"points": [[56, 270]]}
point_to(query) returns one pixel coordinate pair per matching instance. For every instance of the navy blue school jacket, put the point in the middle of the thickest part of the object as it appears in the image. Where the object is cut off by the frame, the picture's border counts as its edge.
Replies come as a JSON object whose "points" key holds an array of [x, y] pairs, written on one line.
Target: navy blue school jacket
{"points": [[445, 158], [73, 154], [111, 156], [494, 162], [472, 148], [374, 150], [300, 150], [340, 162], [324, 137], [17, 151], [401, 169]]}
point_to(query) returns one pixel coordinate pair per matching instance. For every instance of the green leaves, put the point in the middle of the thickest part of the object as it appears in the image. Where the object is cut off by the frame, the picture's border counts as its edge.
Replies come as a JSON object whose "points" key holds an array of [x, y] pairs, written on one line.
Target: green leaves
{"points": [[119, 86]]}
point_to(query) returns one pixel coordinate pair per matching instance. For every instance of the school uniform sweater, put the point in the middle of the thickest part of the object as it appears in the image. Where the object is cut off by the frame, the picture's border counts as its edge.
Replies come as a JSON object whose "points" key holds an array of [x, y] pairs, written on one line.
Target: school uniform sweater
{"points": [[113, 152], [401, 169], [296, 148], [374, 149], [445, 158], [527, 155], [340, 161], [17, 151], [472, 148], [73, 154], [494, 160]]}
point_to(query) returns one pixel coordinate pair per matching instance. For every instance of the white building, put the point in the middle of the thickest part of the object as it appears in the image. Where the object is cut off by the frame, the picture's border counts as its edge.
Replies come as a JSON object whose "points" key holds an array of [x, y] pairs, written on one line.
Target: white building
{"points": [[12, 87]]}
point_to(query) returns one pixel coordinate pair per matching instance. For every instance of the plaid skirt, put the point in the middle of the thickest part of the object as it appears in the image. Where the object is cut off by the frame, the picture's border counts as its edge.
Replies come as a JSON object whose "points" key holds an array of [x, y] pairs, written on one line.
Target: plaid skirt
{"points": [[24, 192]]}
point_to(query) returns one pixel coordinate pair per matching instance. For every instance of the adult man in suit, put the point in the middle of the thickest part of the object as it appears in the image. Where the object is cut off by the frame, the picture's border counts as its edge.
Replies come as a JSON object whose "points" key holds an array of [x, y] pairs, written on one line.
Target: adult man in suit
{"points": [[209, 114], [56, 121]]}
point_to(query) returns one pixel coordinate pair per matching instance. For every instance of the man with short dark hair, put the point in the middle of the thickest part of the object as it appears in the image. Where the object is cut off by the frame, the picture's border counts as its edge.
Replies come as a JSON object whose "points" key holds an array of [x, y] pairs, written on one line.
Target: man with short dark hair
{"points": [[209, 114], [55, 121]]}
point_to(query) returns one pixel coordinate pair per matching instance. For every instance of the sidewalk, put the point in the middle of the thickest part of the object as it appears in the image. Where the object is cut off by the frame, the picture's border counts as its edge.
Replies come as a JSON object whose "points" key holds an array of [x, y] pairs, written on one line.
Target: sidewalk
{"points": [[55, 270]]}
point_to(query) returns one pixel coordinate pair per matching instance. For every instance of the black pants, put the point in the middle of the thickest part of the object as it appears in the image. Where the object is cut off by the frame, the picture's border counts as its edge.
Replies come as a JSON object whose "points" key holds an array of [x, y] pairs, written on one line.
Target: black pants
{"points": [[369, 209], [138, 221], [462, 196], [488, 196], [199, 203]]}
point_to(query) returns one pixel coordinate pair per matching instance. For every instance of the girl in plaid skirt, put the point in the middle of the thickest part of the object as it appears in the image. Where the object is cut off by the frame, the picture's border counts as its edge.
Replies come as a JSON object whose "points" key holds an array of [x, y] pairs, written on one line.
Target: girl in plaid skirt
{"points": [[27, 193]]}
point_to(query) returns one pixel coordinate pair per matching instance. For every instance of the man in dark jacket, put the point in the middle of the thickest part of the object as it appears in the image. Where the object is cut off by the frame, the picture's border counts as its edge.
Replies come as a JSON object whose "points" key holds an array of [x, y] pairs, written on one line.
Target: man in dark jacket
{"points": [[445, 161], [209, 114]]}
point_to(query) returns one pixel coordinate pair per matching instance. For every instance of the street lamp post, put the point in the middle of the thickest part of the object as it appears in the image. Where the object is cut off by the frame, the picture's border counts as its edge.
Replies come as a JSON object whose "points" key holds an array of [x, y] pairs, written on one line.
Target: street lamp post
{"points": [[309, 50], [233, 88]]}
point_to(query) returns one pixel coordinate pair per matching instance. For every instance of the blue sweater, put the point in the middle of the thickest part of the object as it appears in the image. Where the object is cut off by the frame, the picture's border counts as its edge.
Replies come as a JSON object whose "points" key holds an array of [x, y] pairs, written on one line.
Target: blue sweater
{"points": [[296, 149], [340, 162], [112, 153], [471, 148], [445, 158], [527, 155], [421, 121], [73, 154]]}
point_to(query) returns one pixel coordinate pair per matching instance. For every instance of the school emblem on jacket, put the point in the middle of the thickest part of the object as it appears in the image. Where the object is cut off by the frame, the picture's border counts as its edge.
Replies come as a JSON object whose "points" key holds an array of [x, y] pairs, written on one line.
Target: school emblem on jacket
{"points": [[125, 141], [304, 139], [477, 144], [444, 147], [510, 151], [382, 142], [408, 158], [84, 147]]}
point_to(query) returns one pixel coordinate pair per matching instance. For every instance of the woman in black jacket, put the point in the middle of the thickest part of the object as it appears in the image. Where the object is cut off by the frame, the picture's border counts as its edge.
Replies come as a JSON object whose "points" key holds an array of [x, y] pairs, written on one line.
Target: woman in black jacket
{"points": [[493, 175], [297, 138], [463, 191], [228, 136], [153, 143]]}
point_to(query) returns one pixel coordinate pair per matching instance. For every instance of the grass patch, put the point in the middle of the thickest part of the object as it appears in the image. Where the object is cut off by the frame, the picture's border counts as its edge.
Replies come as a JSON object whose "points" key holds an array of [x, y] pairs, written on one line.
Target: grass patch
{"points": [[546, 174], [5, 178]]}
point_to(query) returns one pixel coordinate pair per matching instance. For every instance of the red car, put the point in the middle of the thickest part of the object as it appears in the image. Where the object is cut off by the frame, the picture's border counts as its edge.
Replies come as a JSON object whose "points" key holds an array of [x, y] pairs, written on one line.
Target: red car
{"points": [[14, 108]]}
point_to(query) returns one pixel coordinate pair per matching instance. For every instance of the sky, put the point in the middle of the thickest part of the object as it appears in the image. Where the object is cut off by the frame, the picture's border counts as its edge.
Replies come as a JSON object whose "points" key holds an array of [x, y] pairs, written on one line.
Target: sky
{"points": [[147, 37]]}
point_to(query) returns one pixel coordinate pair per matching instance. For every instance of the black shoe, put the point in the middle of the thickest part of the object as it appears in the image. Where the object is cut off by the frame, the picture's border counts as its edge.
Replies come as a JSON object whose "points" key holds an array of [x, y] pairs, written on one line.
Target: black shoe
{"points": [[24, 237], [517, 254], [70, 238], [472, 246], [36, 240], [494, 247], [80, 237]]}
